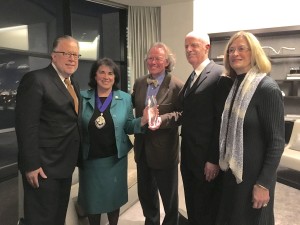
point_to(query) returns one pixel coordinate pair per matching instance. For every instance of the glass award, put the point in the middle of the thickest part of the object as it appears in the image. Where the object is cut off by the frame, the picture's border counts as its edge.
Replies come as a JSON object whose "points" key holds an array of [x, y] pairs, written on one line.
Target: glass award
{"points": [[152, 111]]}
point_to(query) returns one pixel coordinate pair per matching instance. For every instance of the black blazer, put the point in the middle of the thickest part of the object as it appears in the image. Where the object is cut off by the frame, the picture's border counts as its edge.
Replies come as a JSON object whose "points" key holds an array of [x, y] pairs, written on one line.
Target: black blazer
{"points": [[47, 125], [202, 109]]}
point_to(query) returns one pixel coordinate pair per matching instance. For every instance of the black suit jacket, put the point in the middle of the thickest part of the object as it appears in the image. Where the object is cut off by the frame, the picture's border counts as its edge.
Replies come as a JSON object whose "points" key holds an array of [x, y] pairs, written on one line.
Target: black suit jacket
{"points": [[160, 146], [47, 125], [202, 109]]}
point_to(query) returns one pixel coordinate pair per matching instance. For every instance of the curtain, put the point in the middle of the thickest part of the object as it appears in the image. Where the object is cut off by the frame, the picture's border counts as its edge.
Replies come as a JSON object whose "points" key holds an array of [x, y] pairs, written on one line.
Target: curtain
{"points": [[143, 31]]}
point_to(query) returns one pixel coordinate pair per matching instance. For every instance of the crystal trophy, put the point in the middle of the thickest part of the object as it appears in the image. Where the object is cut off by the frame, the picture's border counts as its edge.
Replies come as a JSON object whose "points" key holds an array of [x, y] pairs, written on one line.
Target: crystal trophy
{"points": [[152, 111]]}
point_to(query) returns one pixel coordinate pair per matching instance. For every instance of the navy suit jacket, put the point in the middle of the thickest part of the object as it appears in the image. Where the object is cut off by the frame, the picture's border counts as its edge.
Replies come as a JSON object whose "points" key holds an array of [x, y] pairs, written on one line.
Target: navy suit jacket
{"points": [[47, 125]]}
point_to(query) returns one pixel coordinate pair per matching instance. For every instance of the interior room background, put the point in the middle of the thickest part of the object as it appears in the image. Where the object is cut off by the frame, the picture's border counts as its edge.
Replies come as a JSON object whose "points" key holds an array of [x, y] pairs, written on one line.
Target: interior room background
{"points": [[28, 27]]}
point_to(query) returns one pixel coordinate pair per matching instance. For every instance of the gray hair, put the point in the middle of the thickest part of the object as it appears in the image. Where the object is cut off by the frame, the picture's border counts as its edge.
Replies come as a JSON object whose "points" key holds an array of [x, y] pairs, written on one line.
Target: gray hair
{"points": [[169, 55], [60, 38], [199, 35]]}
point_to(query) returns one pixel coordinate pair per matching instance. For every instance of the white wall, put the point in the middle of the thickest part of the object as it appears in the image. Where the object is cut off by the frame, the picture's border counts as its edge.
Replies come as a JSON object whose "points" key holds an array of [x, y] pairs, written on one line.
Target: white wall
{"points": [[176, 22], [233, 15], [220, 16]]}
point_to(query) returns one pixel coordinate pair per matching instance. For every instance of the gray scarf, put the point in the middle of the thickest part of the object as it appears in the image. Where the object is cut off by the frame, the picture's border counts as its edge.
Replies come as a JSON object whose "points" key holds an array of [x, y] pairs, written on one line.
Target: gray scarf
{"points": [[231, 132]]}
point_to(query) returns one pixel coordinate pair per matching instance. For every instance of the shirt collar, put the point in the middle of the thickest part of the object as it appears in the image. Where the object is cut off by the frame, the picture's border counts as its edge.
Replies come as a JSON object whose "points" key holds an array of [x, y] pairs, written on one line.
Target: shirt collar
{"points": [[159, 78], [201, 67], [59, 74]]}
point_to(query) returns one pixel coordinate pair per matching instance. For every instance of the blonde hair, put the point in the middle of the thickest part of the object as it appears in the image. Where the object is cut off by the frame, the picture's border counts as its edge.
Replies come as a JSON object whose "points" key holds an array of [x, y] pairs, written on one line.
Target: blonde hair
{"points": [[259, 58]]}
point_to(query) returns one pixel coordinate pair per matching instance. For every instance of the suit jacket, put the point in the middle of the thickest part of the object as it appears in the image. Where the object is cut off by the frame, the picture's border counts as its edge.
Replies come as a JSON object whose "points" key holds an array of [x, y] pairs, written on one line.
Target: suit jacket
{"points": [[202, 109], [161, 146], [47, 125], [123, 119]]}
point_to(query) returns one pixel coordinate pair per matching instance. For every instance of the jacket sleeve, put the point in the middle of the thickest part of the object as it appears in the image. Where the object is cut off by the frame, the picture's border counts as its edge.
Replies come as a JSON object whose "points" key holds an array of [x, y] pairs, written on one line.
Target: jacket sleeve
{"points": [[29, 101]]}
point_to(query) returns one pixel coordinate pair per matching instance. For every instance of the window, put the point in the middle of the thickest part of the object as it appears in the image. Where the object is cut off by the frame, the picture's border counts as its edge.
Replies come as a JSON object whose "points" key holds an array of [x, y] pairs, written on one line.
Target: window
{"points": [[101, 32]]}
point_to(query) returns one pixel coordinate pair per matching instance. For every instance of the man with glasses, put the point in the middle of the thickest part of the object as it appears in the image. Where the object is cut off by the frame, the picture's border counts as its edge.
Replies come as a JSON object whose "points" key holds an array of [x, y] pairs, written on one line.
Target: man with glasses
{"points": [[203, 98], [156, 151], [47, 107]]}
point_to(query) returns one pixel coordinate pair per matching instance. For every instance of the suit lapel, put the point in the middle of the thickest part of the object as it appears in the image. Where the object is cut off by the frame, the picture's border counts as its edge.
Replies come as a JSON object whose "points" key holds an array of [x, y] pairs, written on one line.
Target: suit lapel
{"points": [[90, 98], [163, 89], [58, 82], [143, 90], [199, 79], [116, 96], [161, 94]]}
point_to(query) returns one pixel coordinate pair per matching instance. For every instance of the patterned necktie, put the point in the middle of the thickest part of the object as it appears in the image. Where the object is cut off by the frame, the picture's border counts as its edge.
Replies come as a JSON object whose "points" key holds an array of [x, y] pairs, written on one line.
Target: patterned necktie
{"points": [[192, 78], [152, 81], [72, 93]]}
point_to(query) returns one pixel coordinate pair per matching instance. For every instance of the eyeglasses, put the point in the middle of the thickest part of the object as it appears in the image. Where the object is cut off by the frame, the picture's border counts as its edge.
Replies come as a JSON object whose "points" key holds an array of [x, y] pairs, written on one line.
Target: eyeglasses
{"points": [[156, 59], [240, 49], [69, 54]]}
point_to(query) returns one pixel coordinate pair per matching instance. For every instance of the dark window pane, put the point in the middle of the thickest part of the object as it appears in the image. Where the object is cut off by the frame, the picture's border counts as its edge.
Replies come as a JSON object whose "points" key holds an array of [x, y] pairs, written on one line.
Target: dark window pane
{"points": [[27, 24]]}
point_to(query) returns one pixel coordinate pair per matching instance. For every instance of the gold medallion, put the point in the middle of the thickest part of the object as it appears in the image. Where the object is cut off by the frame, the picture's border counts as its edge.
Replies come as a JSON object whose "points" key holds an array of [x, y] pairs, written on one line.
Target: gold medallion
{"points": [[100, 121]]}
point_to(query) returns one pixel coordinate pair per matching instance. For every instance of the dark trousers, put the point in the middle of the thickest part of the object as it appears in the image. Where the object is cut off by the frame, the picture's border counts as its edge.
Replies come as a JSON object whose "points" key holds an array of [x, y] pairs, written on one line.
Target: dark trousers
{"points": [[46, 205], [202, 198], [150, 182]]}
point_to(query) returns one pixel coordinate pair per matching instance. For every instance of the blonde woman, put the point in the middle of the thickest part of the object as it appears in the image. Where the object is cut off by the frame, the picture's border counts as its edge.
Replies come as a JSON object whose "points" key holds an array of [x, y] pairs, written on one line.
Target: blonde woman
{"points": [[251, 136]]}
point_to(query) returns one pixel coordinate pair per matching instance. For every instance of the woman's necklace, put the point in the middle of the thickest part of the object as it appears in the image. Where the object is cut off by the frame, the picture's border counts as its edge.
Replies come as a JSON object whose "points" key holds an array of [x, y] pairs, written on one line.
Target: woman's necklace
{"points": [[100, 120]]}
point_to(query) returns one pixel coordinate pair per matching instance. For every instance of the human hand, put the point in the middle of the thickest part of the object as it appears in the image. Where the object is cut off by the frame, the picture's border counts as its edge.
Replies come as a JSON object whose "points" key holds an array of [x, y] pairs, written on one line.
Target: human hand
{"points": [[32, 177], [145, 117], [156, 125], [211, 171], [260, 196]]}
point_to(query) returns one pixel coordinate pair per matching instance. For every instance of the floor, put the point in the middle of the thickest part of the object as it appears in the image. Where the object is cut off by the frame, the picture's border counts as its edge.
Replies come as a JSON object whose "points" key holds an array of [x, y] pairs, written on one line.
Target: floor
{"points": [[287, 202], [9, 202], [287, 210]]}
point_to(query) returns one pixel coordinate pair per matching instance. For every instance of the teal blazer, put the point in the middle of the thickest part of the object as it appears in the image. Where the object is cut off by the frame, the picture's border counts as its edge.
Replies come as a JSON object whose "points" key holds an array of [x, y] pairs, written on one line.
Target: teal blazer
{"points": [[122, 114]]}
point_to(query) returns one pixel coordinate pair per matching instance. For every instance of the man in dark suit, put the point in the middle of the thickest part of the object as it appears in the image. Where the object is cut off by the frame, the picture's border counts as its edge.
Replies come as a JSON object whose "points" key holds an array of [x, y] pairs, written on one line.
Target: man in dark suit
{"points": [[156, 151], [200, 122], [48, 135]]}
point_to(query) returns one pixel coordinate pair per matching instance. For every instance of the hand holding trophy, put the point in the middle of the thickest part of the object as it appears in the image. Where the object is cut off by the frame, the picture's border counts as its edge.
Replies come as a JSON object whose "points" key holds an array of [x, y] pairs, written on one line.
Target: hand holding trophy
{"points": [[154, 120]]}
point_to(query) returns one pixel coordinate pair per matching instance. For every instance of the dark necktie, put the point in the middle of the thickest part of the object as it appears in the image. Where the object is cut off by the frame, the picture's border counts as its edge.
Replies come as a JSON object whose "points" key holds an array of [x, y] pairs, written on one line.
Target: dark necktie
{"points": [[152, 81], [192, 77], [72, 93]]}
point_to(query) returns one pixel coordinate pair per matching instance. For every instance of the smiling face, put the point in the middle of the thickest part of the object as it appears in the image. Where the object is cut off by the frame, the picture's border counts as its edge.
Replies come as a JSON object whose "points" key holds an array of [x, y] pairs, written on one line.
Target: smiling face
{"points": [[105, 78], [156, 61], [196, 51], [240, 56], [65, 64]]}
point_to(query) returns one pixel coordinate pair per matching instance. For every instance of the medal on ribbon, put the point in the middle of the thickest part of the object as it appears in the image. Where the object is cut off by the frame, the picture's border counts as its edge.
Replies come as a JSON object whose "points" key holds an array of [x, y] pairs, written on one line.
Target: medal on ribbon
{"points": [[100, 120]]}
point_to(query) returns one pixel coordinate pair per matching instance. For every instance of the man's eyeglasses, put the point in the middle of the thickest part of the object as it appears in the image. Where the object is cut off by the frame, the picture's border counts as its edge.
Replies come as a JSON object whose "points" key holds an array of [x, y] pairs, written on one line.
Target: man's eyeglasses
{"points": [[69, 54], [156, 59], [240, 49]]}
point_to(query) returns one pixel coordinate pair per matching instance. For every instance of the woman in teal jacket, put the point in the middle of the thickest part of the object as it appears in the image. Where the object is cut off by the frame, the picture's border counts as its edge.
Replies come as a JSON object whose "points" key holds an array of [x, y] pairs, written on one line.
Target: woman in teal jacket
{"points": [[107, 118]]}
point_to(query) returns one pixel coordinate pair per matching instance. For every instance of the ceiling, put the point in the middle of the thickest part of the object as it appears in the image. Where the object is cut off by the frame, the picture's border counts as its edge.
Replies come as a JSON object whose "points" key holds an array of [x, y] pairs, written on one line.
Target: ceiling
{"points": [[152, 3]]}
